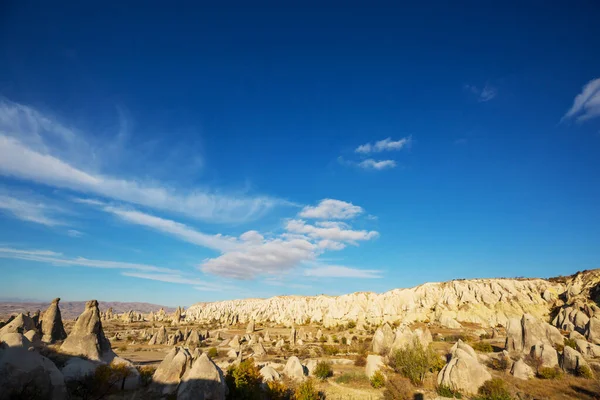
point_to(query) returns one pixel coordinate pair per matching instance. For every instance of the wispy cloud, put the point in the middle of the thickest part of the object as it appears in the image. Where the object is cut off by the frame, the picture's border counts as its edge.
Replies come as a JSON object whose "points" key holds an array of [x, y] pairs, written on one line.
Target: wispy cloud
{"points": [[32, 149], [337, 232], [338, 271], [58, 259], [384, 145], [484, 94], [586, 104], [74, 233], [377, 165], [29, 210], [331, 209]]}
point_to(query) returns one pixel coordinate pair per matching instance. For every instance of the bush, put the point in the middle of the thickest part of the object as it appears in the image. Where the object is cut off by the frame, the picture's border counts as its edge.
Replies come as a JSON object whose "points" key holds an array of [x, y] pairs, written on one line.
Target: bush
{"points": [[571, 343], [398, 388], [212, 352], [323, 370], [485, 336], [494, 389], [499, 364], [330, 350], [276, 390], [414, 362], [244, 381], [483, 347], [322, 339], [446, 391], [351, 325], [377, 380], [106, 379], [360, 361], [549, 373], [306, 391], [146, 373], [122, 348], [344, 340], [584, 371]]}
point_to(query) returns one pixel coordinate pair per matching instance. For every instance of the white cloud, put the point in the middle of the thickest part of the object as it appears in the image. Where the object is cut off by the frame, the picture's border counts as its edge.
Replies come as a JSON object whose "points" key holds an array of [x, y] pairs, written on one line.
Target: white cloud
{"points": [[57, 259], [28, 210], [485, 94], [378, 165], [270, 257], [331, 209], [384, 145], [252, 237], [587, 103], [179, 230], [327, 244], [337, 271], [35, 148], [335, 233], [74, 233]]}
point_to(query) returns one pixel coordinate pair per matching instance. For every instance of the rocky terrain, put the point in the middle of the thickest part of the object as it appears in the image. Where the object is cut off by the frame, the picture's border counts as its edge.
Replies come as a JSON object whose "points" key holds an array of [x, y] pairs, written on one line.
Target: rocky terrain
{"points": [[484, 339], [71, 309]]}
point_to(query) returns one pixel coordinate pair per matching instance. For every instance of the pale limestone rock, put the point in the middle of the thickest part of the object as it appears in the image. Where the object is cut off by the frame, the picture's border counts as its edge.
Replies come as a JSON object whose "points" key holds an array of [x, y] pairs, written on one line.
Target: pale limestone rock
{"points": [[168, 375], [592, 329], [251, 327], [52, 325], [204, 380], [15, 340], [587, 349], [87, 337], [269, 373], [463, 372], [546, 353], [374, 364], [76, 368], [20, 324], [521, 370], [294, 369], [572, 360]]}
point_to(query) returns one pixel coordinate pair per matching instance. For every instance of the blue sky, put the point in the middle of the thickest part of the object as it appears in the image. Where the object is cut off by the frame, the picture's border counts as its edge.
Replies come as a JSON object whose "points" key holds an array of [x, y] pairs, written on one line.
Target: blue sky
{"points": [[176, 155]]}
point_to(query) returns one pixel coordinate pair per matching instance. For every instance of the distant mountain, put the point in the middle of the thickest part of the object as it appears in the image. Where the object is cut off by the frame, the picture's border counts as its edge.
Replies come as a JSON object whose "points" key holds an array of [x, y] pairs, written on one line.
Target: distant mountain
{"points": [[72, 309]]}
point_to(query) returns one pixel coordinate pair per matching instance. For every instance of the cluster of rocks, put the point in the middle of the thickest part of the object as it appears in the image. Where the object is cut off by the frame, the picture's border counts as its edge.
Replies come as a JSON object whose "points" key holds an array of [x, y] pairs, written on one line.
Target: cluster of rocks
{"points": [[23, 368], [386, 340], [191, 338]]}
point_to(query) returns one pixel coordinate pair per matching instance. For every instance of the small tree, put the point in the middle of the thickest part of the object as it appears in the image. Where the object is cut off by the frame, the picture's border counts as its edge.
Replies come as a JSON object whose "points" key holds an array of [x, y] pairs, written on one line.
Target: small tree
{"points": [[244, 381], [306, 391], [414, 361], [377, 380], [213, 352]]}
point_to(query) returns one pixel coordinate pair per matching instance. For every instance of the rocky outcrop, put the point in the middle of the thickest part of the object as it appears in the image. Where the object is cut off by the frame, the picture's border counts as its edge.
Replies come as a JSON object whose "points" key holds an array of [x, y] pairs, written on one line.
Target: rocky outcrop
{"points": [[572, 360], [251, 327], [203, 381], [52, 325], [488, 302], [408, 337], [168, 375], [269, 373], [374, 364], [463, 372], [592, 329], [87, 337], [20, 324], [27, 374], [76, 368], [383, 339], [521, 370], [523, 335], [160, 337], [294, 369]]}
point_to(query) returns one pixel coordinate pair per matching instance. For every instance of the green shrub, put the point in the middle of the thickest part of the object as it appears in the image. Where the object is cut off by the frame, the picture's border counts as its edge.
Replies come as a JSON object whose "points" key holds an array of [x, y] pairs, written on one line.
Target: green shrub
{"points": [[571, 343], [244, 381], [322, 339], [494, 389], [584, 371], [213, 352], [351, 325], [306, 391], [377, 380], [483, 347], [446, 391], [549, 373], [485, 336], [323, 370], [499, 364], [146, 373], [344, 340], [398, 388], [415, 361], [276, 390], [330, 350]]}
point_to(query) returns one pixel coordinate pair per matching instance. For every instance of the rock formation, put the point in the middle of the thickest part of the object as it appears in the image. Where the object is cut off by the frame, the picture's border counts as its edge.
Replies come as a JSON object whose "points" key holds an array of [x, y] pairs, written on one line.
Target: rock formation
{"points": [[168, 375], [294, 369], [52, 325], [463, 372], [251, 327], [203, 381], [87, 337]]}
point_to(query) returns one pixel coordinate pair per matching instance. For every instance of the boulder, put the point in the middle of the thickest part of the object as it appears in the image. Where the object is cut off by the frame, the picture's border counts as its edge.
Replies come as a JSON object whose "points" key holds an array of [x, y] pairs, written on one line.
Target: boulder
{"points": [[269, 373], [250, 328], [521, 370], [535, 331], [592, 329], [383, 339], [204, 380], [16, 340], [87, 337], [572, 360], [294, 369], [34, 338], [20, 324], [406, 337], [514, 335], [132, 380], [587, 349], [463, 372], [193, 339], [546, 353], [310, 366], [374, 364], [27, 374], [168, 375], [258, 350], [232, 354], [76, 368]]}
